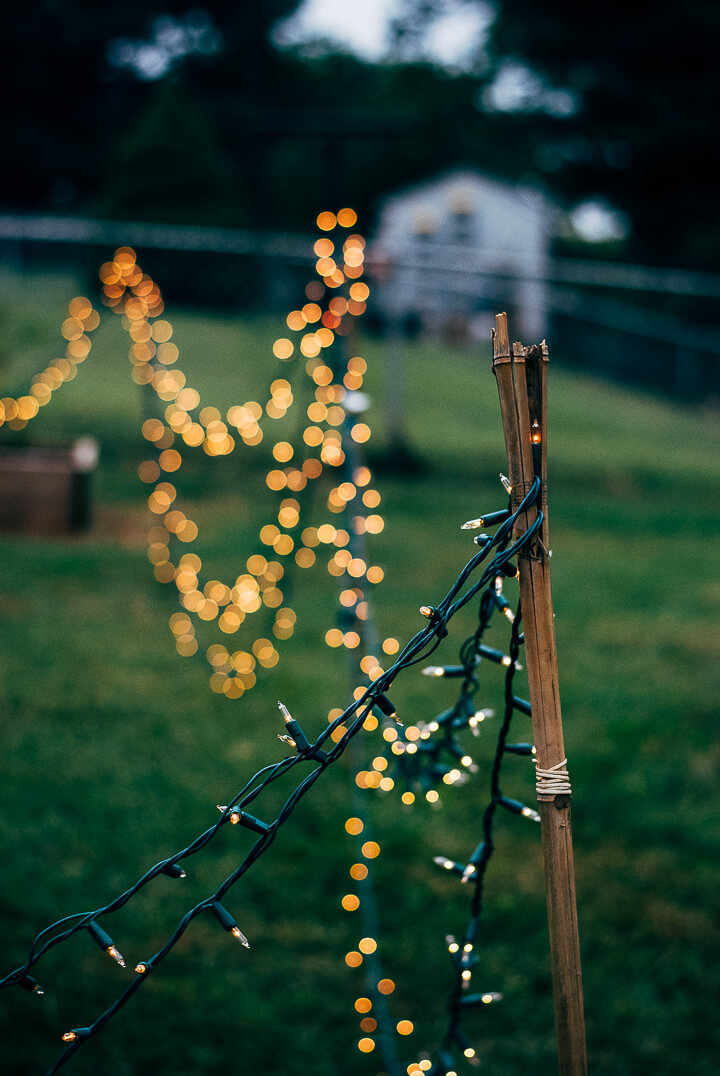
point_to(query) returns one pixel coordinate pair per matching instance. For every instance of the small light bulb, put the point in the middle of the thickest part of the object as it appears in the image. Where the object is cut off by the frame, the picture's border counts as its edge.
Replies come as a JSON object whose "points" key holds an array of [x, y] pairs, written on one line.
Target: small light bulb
{"points": [[468, 948], [507, 484], [490, 997], [427, 611], [469, 1052], [433, 670], [174, 870], [114, 952], [140, 968], [287, 739], [468, 872], [467, 975], [466, 760], [454, 948], [237, 933], [535, 433], [528, 812], [75, 1034], [285, 712], [486, 521], [31, 985]]}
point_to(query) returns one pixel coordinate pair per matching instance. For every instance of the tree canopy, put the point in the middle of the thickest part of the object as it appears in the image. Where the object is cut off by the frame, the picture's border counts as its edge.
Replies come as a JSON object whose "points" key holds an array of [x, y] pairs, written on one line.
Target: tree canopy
{"points": [[187, 113]]}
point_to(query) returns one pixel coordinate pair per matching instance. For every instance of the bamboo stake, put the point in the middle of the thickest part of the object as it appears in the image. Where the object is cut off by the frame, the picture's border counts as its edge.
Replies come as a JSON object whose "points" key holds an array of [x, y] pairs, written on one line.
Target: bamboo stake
{"points": [[521, 377]]}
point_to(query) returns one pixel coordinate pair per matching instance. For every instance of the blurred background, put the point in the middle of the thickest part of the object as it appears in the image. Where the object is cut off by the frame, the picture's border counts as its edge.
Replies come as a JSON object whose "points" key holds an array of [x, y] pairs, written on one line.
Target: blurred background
{"points": [[554, 161]]}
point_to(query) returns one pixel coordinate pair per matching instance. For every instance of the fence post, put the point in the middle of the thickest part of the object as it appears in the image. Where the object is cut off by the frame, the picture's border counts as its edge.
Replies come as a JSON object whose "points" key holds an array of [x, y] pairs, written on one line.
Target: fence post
{"points": [[521, 378]]}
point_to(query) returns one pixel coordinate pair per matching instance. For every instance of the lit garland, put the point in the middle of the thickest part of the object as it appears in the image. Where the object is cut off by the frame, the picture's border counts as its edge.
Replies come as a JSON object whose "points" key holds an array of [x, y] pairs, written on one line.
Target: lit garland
{"points": [[415, 756], [82, 319], [132, 294], [463, 952], [322, 752], [357, 623]]}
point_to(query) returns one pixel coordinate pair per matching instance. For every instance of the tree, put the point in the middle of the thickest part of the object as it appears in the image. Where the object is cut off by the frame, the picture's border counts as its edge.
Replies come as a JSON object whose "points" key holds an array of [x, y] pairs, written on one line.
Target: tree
{"points": [[640, 129]]}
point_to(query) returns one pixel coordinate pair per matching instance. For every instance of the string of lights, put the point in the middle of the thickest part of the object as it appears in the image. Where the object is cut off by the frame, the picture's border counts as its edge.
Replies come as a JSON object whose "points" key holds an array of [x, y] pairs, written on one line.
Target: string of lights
{"points": [[320, 754], [372, 1005], [420, 757], [463, 950], [82, 319], [132, 294], [183, 424]]}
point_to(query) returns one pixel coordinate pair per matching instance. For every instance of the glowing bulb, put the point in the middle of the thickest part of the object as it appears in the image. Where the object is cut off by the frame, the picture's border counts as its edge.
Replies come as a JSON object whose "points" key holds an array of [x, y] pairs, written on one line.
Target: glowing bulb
{"points": [[433, 670], [140, 968], [117, 956], [528, 812], [427, 611], [507, 484], [535, 433], [466, 975], [469, 1052], [490, 997], [237, 933], [105, 942], [75, 1034], [226, 920]]}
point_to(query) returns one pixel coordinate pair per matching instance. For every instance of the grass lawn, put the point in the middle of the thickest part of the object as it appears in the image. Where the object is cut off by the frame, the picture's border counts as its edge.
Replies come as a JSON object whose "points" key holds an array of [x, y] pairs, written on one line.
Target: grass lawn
{"points": [[115, 751]]}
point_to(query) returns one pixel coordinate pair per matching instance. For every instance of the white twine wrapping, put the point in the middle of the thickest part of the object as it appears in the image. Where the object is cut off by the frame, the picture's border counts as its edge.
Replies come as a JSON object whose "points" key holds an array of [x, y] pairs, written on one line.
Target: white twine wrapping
{"points": [[554, 781]]}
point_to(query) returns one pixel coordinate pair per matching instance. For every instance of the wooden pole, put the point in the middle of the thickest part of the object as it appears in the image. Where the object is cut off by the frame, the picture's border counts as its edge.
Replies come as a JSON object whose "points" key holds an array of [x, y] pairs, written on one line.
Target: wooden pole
{"points": [[521, 378]]}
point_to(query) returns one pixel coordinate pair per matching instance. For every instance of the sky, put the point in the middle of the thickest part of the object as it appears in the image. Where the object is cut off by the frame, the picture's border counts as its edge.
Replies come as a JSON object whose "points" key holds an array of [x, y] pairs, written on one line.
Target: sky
{"points": [[362, 25]]}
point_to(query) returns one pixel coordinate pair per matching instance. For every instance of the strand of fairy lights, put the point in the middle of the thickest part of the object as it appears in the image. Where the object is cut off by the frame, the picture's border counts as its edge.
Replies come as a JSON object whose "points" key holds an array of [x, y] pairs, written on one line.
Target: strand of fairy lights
{"points": [[132, 294], [82, 319], [463, 951], [322, 752], [135, 296], [355, 617], [414, 756]]}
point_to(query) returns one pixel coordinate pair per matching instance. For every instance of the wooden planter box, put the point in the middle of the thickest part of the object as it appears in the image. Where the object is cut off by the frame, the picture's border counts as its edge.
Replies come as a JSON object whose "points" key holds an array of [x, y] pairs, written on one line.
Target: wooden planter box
{"points": [[47, 489]]}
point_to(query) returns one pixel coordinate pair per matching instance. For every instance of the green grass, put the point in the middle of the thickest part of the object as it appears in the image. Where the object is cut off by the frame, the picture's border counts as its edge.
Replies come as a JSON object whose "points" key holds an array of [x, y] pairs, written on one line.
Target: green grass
{"points": [[116, 752]]}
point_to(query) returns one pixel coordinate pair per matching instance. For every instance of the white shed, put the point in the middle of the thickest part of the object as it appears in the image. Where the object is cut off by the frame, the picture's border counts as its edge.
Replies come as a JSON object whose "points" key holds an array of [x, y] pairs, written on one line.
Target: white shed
{"points": [[456, 249]]}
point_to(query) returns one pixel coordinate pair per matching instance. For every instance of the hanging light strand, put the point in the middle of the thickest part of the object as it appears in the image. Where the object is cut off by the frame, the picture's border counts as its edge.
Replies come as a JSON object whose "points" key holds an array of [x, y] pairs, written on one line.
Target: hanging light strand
{"points": [[320, 754]]}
